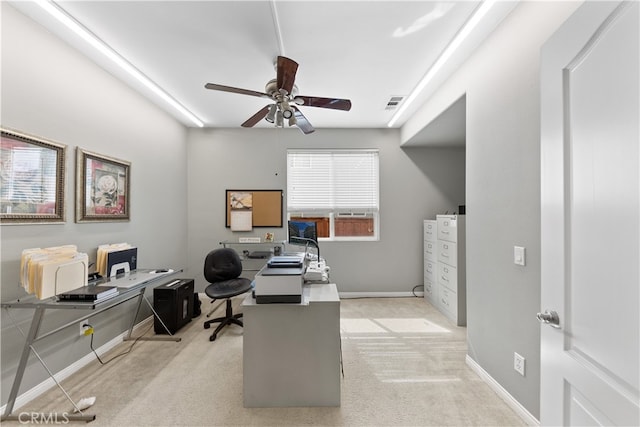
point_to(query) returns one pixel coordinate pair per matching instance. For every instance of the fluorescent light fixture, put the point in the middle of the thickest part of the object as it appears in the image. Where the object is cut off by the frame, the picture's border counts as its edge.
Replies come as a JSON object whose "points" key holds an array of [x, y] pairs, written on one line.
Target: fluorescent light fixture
{"points": [[100, 46], [443, 58]]}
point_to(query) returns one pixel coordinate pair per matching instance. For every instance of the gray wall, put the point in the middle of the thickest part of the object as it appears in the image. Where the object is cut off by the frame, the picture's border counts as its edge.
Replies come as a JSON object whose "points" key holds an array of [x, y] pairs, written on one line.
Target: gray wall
{"points": [[501, 82], [178, 211], [51, 91], [415, 184]]}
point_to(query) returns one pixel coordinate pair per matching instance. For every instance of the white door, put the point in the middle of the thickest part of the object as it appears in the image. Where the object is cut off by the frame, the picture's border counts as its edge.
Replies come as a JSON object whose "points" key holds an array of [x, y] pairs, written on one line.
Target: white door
{"points": [[591, 218]]}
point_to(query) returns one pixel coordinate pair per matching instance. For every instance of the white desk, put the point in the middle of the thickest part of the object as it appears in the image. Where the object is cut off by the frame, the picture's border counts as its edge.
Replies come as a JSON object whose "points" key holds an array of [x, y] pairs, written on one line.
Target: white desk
{"points": [[291, 352]]}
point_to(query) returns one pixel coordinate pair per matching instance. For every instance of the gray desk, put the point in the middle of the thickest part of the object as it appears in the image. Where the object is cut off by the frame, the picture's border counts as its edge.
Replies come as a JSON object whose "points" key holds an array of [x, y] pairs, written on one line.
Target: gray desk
{"points": [[291, 352], [134, 286]]}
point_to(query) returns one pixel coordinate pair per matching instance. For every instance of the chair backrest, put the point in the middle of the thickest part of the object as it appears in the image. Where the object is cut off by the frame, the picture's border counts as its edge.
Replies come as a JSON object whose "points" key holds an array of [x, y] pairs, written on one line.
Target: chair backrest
{"points": [[222, 264]]}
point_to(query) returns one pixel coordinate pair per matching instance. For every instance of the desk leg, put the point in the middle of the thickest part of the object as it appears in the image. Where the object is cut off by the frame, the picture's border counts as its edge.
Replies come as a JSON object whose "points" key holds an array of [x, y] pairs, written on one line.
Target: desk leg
{"points": [[30, 338], [155, 314], [24, 358]]}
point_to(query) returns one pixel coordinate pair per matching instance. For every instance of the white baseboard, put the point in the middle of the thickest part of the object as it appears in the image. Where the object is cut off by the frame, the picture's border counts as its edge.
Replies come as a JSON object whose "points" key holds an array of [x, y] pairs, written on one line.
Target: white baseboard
{"points": [[504, 394], [49, 383], [346, 295]]}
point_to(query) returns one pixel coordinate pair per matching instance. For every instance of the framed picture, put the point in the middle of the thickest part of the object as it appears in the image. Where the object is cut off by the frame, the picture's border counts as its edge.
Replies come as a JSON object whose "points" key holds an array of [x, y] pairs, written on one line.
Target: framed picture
{"points": [[32, 174], [102, 188]]}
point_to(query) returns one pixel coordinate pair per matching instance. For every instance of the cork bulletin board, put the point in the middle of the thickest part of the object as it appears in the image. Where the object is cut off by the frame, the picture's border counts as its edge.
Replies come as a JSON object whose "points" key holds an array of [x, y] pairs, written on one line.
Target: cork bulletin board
{"points": [[253, 208]]}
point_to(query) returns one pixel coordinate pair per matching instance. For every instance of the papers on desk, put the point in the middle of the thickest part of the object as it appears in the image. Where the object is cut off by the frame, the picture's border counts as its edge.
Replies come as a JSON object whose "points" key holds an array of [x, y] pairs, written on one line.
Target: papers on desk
{"points": [[137, 277], [50, 271], [317, 272]]}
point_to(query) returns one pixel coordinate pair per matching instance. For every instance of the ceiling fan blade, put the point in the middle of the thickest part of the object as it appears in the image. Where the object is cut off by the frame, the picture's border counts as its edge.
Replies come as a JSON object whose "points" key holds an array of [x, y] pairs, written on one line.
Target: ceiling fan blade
{"points": [[287, 69], [302, 122], [251, 121], [334, 103], [231, 89]]}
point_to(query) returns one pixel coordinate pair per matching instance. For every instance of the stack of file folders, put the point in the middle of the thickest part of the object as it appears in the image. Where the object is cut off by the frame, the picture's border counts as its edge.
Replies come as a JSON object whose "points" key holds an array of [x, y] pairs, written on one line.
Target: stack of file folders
{"points": [[46, 272], [94, 293]]}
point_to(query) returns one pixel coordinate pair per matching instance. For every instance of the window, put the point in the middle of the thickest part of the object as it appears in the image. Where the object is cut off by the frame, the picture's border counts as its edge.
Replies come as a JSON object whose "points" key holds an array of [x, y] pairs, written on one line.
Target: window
{"points": [[337, 189]]}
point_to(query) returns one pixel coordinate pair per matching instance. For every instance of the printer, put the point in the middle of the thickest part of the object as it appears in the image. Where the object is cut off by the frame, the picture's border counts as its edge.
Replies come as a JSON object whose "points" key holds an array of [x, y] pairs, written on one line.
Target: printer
{"points": [[280, 280]]}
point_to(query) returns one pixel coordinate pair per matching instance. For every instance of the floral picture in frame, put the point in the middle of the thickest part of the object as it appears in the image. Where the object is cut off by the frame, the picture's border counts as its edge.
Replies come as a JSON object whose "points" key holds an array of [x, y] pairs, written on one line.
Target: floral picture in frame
{"points": [[32, 174], [102, 188]]}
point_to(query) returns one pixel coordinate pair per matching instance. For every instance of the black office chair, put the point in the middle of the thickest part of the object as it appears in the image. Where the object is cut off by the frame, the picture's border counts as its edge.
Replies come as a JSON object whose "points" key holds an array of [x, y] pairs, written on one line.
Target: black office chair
{"points": [[222, 269]]}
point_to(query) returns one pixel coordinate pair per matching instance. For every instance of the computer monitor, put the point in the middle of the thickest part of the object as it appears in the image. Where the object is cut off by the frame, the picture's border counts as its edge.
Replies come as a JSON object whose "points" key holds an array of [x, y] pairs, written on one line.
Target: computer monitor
{"points": [[300, 232], [304, 233]]}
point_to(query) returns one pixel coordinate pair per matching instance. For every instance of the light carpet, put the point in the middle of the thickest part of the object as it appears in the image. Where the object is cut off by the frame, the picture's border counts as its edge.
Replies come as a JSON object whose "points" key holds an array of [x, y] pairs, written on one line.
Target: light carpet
{"points": [[404, 365]]}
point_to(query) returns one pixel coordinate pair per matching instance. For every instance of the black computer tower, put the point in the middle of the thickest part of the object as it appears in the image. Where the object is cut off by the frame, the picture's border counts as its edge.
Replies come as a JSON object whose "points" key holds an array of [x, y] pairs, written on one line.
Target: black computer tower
{"points": [[174, 304]]}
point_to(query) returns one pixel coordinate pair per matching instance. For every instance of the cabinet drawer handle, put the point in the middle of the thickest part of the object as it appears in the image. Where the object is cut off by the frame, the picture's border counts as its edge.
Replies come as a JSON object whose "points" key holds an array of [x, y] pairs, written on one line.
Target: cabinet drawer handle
{"points": [[444, 255], [445, 231], [445, 279]]}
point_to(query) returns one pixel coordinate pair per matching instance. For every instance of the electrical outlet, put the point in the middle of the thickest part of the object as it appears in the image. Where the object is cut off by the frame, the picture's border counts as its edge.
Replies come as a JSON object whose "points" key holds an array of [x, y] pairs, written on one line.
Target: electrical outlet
{"points": [[518, 363], [84, 325]]}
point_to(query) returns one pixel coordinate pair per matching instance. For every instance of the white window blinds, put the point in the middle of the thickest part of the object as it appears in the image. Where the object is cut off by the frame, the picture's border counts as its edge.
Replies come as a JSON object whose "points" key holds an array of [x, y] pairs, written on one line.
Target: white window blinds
{"points": [[332, 180]]}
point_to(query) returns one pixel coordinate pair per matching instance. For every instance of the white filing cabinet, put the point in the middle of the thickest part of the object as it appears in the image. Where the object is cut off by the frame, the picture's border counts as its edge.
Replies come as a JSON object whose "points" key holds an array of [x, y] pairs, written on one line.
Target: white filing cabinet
{"points": [[430, 260], [451, 287]]}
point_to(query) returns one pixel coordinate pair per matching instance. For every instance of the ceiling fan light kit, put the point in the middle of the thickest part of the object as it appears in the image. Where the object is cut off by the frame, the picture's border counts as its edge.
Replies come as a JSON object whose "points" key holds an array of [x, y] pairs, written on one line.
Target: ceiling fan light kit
{"points": [[271, 115], [284, 93]]}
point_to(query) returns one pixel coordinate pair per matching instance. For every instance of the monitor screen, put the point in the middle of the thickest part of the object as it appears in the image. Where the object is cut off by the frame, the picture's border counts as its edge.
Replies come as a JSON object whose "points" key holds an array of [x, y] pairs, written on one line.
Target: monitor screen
{"points": [[306, 230]]}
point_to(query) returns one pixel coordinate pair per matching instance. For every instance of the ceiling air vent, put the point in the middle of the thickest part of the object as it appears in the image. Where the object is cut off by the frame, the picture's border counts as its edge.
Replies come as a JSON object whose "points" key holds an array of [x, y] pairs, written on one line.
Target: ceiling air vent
{"points": [[393, 103]]}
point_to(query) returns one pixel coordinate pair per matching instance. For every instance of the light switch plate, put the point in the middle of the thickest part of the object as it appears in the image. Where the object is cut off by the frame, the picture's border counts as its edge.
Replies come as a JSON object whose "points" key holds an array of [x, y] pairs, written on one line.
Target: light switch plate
{"points": [[519, 255], [519, 363]]}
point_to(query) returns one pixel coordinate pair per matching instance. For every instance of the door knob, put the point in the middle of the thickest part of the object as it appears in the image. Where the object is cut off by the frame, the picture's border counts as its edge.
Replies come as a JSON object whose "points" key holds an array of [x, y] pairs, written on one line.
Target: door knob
{"points": [[549, 318]]}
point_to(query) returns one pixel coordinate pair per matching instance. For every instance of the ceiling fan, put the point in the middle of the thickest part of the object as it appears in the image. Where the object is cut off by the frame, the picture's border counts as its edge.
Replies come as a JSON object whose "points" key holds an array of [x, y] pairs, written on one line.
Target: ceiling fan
{"points": [[284, 93]]}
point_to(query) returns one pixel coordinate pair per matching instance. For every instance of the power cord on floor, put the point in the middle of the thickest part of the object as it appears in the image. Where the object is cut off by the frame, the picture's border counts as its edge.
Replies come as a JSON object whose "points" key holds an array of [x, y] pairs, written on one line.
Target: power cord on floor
{"points": [[414, 290], [117, 355]]}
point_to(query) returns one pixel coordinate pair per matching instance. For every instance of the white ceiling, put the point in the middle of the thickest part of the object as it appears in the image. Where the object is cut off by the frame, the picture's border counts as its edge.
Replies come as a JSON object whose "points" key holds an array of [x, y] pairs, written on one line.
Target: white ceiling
{"points": [[365, 51]]}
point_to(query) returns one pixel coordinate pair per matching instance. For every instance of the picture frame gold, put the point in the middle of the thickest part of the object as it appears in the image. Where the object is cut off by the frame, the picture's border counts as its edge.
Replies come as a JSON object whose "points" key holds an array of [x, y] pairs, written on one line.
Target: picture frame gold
{"points": [[102, 188], [32, 179]]}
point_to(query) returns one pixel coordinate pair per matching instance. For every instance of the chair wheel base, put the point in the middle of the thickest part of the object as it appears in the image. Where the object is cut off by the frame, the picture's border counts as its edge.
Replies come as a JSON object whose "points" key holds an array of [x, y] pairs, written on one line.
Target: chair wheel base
{"points": [[224, 321]]}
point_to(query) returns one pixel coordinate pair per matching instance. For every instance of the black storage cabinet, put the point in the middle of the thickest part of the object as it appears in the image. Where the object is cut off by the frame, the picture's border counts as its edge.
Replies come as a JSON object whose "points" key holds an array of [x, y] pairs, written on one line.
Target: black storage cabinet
{"points": [[174, 304]]}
